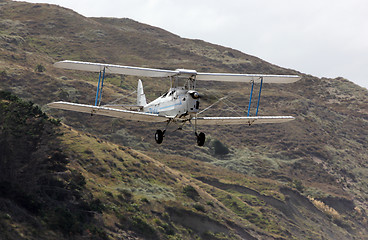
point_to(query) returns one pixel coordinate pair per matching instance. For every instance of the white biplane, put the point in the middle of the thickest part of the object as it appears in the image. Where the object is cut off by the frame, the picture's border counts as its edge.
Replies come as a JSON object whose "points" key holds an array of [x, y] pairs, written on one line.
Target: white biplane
{"points": [[178, 105]]}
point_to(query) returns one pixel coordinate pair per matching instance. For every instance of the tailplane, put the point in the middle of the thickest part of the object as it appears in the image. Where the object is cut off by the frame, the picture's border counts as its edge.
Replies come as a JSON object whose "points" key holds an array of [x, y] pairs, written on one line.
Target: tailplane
{"points": [[141, 97]]}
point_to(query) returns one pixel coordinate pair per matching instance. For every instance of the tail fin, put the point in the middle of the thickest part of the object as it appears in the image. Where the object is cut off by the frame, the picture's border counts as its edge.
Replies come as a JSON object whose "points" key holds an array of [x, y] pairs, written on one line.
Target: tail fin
{"points": [[141, 97]]}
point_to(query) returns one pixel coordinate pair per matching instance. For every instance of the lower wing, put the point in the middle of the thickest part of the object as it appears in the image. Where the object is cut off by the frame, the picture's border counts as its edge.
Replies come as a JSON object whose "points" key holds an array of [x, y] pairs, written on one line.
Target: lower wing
{"points": [[242, 120], [150, 117], [108, 111]]}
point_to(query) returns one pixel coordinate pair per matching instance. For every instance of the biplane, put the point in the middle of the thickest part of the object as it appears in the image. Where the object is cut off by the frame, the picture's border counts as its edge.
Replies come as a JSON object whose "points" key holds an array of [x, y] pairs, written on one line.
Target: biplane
{"points": [[180, 104]]}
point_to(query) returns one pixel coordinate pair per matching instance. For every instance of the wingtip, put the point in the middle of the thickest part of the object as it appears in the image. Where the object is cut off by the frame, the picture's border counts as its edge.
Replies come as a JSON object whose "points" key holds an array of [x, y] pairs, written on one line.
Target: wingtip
{"points": [[59, 64], [55, 104], [51, 105]]}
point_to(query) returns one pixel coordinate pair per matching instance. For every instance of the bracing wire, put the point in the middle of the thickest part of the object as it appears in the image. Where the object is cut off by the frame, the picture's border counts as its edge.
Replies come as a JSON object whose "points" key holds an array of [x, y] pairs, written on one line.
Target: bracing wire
{"points": [[121, 98], [233, 108]]}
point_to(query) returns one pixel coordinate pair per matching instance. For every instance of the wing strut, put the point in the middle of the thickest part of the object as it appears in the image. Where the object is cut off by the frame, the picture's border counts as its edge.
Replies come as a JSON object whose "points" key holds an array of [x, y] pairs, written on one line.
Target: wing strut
{"points": [[99, 91], [251, 95], [250, 98], [259, 95]]}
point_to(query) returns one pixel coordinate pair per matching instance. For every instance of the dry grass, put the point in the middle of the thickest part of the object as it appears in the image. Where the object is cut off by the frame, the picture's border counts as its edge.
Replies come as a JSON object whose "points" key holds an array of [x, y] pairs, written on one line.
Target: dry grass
{"points": [[325, 208]]}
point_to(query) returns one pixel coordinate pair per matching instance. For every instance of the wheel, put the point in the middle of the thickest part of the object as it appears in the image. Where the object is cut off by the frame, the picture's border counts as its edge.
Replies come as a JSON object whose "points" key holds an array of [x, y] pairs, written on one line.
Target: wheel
{"points": [[159, 136], [201, 138]]}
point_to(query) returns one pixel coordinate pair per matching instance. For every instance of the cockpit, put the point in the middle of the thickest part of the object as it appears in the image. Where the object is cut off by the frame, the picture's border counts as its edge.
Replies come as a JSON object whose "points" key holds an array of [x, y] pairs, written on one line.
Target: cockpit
{"points": [[169, 93]]}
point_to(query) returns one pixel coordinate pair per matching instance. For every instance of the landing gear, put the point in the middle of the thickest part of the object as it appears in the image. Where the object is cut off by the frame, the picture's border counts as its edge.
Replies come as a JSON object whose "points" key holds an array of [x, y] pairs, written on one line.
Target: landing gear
{"points": [[201, 138], [159, 136]]}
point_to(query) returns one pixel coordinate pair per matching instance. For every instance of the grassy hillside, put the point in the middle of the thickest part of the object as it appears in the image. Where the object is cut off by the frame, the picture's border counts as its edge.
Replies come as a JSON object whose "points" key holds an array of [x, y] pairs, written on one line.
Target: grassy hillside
{"points": [[297, 180], [65, 183]]}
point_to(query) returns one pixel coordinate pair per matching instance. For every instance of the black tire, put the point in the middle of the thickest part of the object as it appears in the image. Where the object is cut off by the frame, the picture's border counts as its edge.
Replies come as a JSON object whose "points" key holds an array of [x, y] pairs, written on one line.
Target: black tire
{"points": [[201, 138], [159, 136]]}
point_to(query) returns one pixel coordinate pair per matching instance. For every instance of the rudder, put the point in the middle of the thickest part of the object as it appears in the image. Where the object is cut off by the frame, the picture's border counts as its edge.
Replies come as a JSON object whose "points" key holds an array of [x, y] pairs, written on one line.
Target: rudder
{"points": [[141, 97]]}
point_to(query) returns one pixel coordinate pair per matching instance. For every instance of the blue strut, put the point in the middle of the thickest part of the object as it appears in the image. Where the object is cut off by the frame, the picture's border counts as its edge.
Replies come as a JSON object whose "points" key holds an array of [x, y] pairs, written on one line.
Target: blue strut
{"points": [[98, 88], [250, 98], [99, 91], [259, 95], [102, 84]]}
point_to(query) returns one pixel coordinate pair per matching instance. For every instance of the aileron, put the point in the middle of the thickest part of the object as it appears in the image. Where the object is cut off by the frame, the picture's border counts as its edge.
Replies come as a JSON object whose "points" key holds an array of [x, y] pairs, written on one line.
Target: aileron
{"points": [[242, 120]]}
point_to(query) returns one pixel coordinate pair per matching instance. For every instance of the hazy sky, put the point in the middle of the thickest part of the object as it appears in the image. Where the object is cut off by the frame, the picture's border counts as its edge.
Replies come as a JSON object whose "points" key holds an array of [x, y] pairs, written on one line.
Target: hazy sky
{"points": [[325, 38]]}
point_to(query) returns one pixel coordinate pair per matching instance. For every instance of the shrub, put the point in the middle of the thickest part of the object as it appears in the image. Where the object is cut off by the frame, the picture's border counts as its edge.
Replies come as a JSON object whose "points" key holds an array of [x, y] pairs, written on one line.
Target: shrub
{"points": [[3, 74], [98, 232], [77, 181], [199, 207], [55, 121], [97, 206], [190, 191], [145, 200], [165, 227], [213, 236], [40, 68], [220, 148], [64, 220], [126, 195], [109, 194], [142, 227], [8, 96], [299, 185]]}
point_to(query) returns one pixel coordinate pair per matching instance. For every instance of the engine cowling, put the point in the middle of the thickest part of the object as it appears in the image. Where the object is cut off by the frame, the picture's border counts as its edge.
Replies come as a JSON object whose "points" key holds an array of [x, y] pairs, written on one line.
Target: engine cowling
{"points": [[193, 101], [194, 94]]}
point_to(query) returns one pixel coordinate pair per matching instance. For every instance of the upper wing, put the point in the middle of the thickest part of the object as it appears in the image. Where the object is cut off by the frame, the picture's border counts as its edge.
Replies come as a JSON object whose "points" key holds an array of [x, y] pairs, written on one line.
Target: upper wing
{"points": [[242, 120], [228, 77], [111, 112], [151, 72], [109, 68]]}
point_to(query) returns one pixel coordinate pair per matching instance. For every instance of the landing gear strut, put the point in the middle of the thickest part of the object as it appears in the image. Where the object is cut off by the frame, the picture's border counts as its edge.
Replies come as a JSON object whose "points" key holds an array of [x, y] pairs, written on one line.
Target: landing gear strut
{"points": [[201, 137]]}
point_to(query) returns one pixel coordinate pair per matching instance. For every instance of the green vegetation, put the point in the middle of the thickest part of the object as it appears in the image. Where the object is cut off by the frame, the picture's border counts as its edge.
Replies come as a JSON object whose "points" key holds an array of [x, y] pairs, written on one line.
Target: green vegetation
{"points": [[298, 185], [33, 172], [40, 68], [190, 191], [199, 207], [219, 147]]}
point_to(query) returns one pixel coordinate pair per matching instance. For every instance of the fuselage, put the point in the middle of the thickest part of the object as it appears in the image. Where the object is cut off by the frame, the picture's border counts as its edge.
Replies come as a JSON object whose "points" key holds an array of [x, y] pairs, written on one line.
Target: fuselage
{"points": [[177, 102]]}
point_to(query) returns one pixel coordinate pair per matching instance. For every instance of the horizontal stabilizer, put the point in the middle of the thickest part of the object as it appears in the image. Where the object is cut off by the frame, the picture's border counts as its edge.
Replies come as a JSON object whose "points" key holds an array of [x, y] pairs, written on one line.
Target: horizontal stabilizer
{"points": [[111, 112], [242, 120]]}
